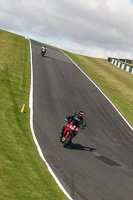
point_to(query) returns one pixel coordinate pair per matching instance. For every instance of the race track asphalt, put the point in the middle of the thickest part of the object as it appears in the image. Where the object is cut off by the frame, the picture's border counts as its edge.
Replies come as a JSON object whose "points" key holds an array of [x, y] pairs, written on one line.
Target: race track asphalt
{"points": [[98, 165]]}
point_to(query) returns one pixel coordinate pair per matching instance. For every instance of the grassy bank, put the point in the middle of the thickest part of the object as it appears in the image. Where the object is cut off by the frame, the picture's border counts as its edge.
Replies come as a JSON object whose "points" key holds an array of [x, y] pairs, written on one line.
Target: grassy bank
{"points": [[117, 84], [23, 175]]}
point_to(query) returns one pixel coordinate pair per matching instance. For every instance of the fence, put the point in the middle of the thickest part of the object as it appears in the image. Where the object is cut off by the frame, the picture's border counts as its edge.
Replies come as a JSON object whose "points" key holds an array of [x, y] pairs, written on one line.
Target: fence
{"points": [[121, 65]]}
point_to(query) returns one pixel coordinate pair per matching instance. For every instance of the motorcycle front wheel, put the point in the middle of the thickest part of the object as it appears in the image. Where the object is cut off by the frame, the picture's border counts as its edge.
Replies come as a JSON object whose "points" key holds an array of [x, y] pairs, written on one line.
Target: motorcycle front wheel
{"points": [[66, 141]]}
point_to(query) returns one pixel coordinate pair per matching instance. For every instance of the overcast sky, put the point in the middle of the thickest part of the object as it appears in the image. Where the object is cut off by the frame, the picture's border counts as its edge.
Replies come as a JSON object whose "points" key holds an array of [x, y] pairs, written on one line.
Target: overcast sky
{"points": [[96, 28]]}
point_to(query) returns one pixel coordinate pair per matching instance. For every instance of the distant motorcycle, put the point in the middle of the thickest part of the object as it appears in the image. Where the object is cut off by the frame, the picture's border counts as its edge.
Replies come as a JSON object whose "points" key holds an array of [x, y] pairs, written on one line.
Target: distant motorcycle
{"points": [[69, 132], [43, 50]]}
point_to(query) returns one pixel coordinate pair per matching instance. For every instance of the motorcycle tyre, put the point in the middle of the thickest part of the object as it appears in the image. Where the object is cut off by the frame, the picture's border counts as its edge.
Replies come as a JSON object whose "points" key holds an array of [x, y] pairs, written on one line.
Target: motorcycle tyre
{"points": [[66, 141]]}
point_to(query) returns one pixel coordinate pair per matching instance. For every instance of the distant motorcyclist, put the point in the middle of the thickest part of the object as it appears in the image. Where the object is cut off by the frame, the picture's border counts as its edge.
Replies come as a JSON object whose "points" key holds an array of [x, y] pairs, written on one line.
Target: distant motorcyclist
{"points": [[43, 50], [76, 119]]}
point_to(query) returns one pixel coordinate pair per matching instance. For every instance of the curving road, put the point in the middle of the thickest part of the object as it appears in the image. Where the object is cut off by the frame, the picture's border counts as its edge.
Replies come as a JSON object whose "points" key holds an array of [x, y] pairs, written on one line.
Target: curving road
{"points": [[98, 165]]}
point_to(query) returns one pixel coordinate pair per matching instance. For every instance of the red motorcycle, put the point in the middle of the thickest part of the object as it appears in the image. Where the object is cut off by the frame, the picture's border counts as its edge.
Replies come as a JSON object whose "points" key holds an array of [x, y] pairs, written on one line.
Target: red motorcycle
{"points": [[70, 131]]}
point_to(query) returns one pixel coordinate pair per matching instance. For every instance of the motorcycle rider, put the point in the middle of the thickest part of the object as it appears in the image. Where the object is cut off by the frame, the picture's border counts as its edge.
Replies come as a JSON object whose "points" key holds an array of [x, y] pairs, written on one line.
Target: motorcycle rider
{"points": [[44, 49], [76, 119]]}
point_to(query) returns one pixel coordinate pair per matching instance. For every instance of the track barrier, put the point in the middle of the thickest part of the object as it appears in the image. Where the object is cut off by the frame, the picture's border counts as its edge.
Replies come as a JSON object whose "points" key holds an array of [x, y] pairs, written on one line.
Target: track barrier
{"points": [[121, 65]]}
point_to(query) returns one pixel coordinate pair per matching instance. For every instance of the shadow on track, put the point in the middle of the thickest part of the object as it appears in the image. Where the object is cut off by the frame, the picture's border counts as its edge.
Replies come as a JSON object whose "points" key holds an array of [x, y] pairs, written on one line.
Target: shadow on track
{"points": [[79, 147], [45, 56]]}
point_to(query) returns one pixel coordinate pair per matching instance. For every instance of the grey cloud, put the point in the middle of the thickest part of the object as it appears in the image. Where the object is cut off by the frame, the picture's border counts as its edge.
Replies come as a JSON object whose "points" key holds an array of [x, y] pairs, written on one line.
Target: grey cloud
{"points": [[105, 24]]}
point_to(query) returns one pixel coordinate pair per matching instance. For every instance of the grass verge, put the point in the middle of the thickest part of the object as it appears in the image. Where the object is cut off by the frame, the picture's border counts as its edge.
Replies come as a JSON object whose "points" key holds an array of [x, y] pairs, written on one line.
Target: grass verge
{"points": [[23, 175]]}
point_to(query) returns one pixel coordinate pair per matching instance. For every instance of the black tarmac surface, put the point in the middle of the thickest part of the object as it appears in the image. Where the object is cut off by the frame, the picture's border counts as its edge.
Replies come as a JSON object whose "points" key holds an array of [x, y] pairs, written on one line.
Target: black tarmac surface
{"points": [[98, 165]]}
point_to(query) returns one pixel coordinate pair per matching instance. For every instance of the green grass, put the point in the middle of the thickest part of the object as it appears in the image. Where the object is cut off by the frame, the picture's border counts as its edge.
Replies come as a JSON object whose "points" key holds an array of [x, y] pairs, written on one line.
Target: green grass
{"points": [[23, 174], [116, 83]]}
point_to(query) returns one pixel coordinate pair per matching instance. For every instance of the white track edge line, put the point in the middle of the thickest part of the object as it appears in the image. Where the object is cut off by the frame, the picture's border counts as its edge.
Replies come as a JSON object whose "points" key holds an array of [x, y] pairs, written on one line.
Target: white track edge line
{"points": [[100, 91], [33, 133]]}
